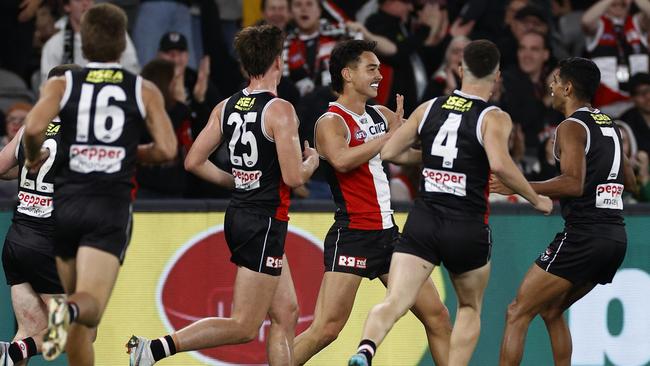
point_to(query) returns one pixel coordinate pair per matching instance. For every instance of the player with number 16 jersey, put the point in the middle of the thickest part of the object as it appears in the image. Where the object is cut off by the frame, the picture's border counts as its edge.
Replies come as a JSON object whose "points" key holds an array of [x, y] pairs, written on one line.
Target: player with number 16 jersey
{"points": [[103, 109]]}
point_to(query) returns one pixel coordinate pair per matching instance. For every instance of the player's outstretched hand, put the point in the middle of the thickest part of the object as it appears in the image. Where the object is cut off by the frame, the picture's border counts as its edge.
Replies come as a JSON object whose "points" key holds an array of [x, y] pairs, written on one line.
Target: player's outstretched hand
{"points": [[34, 166], [496, 186], [544, 205]]}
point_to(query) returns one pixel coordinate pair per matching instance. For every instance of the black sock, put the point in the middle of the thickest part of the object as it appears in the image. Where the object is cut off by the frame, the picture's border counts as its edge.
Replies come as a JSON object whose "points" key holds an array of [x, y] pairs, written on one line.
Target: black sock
{"points": [[367, 348], [158, 349], [73, 309], [22, 349]]}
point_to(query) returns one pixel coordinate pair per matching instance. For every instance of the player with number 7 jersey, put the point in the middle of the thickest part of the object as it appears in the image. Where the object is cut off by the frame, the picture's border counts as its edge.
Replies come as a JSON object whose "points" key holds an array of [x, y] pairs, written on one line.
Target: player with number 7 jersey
{"points": [[592, 174]]}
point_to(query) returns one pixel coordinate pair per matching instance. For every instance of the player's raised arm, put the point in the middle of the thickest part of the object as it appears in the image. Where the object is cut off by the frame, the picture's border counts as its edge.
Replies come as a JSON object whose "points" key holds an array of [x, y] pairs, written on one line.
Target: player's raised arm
{"points": [[164, 145], [332, 143], [282, 122], [197, 160], [496, 132], [39, 118]]}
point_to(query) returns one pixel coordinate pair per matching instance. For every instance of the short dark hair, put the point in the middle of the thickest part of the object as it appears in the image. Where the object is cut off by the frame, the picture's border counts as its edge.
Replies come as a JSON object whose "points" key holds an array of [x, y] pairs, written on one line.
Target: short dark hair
{"points": [[61, 69], [258, 47], [346, 54], [583, 74], [103, 33], [481, 57]]}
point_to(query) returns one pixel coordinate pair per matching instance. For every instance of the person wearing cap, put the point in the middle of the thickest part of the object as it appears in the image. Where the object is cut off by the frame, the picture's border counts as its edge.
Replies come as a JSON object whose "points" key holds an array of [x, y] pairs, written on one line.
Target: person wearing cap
{"points": [[65, 46], [201, 94], [617, 41], [638, 117]]}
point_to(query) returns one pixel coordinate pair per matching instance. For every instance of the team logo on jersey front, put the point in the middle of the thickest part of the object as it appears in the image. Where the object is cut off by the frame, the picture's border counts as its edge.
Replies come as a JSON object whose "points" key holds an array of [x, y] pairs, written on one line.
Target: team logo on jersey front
{"points": [[609, 196], [443, 181]]}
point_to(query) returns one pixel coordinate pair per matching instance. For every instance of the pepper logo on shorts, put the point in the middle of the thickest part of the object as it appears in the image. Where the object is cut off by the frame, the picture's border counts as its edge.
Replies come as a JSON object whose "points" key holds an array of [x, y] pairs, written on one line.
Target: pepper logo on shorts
{"points": [[198, 280]]}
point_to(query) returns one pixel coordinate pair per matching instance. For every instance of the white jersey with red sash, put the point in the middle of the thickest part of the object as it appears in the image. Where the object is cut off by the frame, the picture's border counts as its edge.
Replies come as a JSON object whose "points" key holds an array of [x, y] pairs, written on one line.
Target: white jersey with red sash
{"points": [[362, 195]]}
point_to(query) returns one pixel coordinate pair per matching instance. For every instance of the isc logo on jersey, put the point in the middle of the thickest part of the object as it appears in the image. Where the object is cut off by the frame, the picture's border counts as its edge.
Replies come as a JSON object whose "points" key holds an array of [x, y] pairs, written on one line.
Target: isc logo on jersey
{"points": [[442, 181], [610, 196], [354, 262], [96, 158], [246, 180]]}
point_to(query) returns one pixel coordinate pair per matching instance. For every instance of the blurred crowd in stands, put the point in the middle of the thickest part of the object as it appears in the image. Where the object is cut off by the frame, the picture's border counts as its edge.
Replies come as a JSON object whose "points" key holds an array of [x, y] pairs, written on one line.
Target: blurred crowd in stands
{"points": [[185, 48]]}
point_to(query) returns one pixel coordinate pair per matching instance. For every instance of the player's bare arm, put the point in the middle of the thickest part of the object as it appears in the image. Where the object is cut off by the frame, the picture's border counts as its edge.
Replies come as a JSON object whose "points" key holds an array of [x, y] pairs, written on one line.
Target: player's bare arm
{"points": [[331, 142], [39, 118], [396, 121], [281, 124], [571, 139], [163, 147], [591, 17], [496, 132], [403, 138], [8, 161], [197, 160]]}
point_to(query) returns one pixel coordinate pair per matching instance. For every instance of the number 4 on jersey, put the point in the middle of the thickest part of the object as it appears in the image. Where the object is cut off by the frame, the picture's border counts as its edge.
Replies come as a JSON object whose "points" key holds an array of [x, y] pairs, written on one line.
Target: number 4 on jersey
{"points": [[448, 134]]}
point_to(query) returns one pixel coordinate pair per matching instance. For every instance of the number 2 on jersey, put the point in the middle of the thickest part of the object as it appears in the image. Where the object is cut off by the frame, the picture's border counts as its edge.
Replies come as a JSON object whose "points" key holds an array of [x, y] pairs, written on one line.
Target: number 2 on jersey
{"points": [[246, 137], [40, 185], [616, 164], [448, 134]]}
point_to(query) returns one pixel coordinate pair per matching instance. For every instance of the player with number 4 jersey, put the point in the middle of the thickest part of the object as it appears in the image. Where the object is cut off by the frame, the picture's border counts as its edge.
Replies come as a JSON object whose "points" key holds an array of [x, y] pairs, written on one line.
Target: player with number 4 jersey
{"points": [[593, 172], [463, 138], [103, 109], [261, 134]]}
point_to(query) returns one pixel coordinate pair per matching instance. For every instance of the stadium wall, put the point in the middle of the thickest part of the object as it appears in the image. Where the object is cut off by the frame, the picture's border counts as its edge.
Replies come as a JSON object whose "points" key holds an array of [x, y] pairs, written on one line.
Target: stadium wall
{"points": [[177, 270]]}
